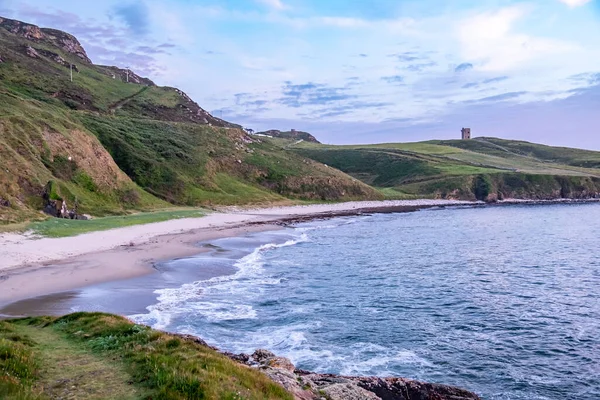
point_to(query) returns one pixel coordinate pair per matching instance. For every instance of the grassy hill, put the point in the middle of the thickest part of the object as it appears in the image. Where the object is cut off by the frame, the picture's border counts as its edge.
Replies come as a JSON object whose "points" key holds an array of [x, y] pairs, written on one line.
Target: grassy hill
{"points": [[101, 356], [113, 141], [483, 168]]}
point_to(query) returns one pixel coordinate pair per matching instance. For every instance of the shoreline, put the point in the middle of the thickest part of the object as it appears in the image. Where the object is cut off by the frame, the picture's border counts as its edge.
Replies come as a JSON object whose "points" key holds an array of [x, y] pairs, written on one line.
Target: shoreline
{"points": [[34, 267]]}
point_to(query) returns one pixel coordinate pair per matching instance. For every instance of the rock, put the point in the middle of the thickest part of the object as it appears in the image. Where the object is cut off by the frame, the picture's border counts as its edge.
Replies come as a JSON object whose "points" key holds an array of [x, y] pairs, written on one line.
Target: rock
{"points": [[262, 356], [407, 389], [305, 385], [31, 52], [4, 202], [55, 37], [281, 371], [348, 391], [1, 60]]}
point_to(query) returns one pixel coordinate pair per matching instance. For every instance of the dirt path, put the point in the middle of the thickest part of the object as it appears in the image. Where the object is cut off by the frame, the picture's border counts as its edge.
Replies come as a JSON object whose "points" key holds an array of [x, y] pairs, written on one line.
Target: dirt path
{"points": [[113, 107], [71, 372]]}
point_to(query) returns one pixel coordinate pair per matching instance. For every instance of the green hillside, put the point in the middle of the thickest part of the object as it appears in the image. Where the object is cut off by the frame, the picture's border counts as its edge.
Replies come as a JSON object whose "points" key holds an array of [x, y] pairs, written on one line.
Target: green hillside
{"points": [[102, 356], [482, 168], [112, 141]]}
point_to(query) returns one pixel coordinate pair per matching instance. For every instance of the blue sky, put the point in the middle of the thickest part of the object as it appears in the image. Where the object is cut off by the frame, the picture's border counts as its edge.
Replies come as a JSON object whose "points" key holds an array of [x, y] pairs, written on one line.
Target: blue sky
{"points": [[356, 71]]}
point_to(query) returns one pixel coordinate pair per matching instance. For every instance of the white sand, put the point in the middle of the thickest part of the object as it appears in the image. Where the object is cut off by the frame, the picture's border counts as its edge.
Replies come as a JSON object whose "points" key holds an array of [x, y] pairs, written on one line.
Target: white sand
{"points": [[20, 250]]}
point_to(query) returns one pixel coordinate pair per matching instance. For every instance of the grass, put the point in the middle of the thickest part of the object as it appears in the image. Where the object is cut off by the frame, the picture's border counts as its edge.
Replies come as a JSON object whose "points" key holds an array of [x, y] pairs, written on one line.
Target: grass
{"points": [[99, 356], [18, 365], [455, 168], [56, 227], [133, 148]]}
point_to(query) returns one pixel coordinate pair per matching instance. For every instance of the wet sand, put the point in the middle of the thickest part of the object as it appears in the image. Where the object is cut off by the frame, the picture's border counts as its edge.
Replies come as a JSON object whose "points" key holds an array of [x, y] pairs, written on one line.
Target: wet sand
{"points": [[118, 265]]}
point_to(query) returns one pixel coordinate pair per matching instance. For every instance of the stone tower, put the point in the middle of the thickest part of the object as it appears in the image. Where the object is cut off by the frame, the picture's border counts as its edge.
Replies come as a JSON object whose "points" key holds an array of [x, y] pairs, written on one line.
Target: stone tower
{"points": [[466, 133]]}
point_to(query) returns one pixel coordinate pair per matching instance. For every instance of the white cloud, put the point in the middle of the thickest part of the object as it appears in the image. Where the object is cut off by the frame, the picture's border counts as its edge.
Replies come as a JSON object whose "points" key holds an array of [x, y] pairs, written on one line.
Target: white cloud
{"points": [[575, 3], [490, 43], [276, 4], [342, 22]]}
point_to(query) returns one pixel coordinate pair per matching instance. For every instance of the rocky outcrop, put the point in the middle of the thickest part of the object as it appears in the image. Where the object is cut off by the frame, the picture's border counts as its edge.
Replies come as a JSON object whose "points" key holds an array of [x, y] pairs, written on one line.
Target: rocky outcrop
{"points": [[292, 134], [127, 75], [56, 58], [31, 52], [57, 207], [305, 385], [63, 40]]}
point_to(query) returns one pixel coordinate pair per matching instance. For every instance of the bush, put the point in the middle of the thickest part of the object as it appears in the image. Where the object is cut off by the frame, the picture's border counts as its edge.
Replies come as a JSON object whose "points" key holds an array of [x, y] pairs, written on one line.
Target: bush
{"points": [[482, 187]]}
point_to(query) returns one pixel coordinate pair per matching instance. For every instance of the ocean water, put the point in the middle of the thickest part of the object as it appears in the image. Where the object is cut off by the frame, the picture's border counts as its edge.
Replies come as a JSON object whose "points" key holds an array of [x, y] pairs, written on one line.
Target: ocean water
{"points": [[504, 301]]}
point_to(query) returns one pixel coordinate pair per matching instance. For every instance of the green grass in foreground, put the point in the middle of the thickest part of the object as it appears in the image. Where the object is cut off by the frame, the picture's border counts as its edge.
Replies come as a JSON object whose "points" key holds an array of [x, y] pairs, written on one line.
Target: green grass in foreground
{"points": [[56, 227], [100, 356]]}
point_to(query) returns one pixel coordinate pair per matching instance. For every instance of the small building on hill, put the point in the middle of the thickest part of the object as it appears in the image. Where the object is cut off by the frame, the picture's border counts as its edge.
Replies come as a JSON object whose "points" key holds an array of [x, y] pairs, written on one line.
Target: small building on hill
{"points": [[466, 133]]}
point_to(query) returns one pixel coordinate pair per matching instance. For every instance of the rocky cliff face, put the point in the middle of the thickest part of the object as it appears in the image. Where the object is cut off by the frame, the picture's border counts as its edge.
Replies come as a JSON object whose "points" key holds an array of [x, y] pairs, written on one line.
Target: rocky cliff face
{"points": [[305, 385], [293, 134], [126, 75], [63, 40]]}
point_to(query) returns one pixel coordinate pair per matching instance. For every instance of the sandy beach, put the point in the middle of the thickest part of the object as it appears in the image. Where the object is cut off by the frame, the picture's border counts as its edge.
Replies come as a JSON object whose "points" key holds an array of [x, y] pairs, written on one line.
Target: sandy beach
{"points": [[31, 266]]}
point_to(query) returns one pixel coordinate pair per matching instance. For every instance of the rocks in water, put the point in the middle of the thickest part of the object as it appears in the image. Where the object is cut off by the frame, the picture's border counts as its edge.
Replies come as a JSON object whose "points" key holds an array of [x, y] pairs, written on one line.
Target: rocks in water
{"points": [[305, 385]]}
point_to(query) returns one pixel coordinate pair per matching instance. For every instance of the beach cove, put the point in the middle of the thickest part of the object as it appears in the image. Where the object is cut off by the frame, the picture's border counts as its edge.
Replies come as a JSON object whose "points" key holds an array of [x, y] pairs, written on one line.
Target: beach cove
{"points": [[436, 295]]}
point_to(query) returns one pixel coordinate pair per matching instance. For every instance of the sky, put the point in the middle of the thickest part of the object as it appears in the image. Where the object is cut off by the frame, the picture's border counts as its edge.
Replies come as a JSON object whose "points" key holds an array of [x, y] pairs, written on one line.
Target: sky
{"points": [[358, 71]]}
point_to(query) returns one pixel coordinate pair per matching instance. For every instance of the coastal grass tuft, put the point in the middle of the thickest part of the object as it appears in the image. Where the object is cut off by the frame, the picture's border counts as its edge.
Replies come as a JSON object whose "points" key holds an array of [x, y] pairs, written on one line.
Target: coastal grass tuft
{"points": [[18, 364], [153, 364], [57, 227]]}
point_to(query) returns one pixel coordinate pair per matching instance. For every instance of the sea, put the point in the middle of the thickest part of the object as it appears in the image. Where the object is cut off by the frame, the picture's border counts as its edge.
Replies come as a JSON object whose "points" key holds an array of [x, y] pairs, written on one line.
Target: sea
{"points": [[500, 300]]}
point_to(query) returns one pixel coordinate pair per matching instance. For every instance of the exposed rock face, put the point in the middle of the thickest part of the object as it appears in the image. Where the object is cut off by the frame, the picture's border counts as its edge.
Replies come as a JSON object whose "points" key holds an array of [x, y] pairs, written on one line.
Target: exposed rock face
{"points": [[31, 52], [306, 385], [56, 58], [126, 75], [55, 37], [293, 134]]}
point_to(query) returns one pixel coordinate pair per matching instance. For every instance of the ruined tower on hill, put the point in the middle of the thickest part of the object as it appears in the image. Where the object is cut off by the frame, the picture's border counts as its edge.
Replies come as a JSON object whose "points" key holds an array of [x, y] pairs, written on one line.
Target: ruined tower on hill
{"points": [[466, 133]]}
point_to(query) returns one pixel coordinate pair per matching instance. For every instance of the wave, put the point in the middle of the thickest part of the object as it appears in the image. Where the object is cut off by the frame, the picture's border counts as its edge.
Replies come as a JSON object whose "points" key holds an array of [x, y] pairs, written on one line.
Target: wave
{"points": [[190, 297]]}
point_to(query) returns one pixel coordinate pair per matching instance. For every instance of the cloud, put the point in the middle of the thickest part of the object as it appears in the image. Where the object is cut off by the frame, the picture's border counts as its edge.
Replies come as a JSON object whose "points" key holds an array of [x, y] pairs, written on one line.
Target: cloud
{"points": [[498, 97], [276, 4], [497, 79], [350, 108], [420, 67], [470, 85], [407, 56], [393, 79], [150, 50], [135, 15], [587, 78], [489, 38], [310, 93], [575, 3], [463, 67], [363, 55], [343, 22]]}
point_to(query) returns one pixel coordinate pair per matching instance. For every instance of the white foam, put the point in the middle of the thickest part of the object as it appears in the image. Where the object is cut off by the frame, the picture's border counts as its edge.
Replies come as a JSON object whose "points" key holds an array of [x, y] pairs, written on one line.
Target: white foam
{"points": [[189, 297]]}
